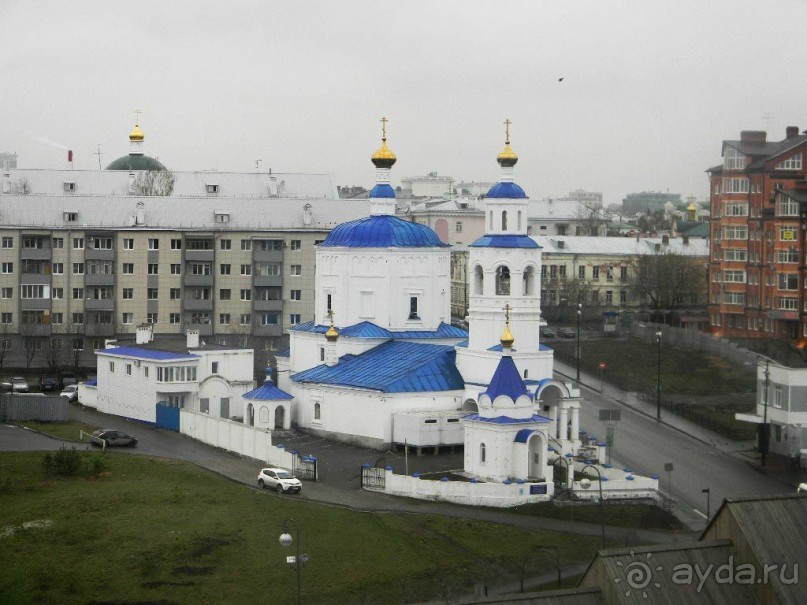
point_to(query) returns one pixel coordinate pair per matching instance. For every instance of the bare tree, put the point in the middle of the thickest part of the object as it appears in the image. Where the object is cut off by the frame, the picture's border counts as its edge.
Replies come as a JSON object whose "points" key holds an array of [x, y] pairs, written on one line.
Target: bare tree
{"points": [[5, 344], [653, 222], [568, 293], [589, 220], [154, 182], [54, 354], [32, 347], [668, 280], [20, 187]]}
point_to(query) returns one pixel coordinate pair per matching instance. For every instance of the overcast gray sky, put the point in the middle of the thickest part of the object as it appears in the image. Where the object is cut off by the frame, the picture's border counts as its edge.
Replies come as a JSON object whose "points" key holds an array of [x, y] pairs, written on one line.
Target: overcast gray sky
{"points": [[650, 88]]}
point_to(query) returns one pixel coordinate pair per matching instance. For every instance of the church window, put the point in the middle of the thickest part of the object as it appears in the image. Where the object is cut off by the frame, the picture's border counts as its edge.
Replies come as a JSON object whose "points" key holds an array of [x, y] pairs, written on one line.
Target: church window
{"points": [[479, 279], [503, 281], [526, 373], [317, 411], [413, 307], [490, 221], [519, 220], [482, 453], [330, 300], [322, 353], [504, 220], [263, 414], [529, 281]]}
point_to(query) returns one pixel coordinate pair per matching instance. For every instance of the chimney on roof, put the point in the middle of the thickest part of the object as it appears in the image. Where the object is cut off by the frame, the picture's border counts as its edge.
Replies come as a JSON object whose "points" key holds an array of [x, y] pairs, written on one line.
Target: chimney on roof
{"points": [[144, 334], [192, 338], [791, 131], [561, 244], [753, 136]]}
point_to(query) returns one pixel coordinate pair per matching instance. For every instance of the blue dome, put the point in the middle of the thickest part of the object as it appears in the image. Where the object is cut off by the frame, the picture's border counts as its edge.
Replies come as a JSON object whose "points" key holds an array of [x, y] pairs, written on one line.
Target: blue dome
{"points": [[384, 231], [506, 190], [382, 190]]}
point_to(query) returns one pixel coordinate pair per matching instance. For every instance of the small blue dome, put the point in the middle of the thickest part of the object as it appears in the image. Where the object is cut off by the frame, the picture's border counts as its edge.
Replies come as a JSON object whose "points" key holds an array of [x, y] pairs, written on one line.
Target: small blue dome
{"points": [[384, 190], [506, 190], [384, 231]]}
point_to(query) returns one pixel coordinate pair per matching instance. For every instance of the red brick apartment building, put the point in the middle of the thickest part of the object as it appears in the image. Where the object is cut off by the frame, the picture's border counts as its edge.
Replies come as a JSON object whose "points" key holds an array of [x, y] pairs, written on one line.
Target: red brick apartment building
{"points": [[758, 221]]}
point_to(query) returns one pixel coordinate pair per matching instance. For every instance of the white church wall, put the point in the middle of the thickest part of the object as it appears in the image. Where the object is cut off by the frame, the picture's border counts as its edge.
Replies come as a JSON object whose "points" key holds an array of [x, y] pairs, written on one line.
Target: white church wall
{"points": [[87, 395], [235, 365], [477, 366], [426, 429], [498, 450], [369, 284], [499, 495], [128, 395]]}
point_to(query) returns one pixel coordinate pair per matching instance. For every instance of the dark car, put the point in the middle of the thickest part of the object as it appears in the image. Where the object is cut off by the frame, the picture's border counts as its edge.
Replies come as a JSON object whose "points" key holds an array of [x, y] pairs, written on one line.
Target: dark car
{"points": [[48, 383], [110, 437], [548, 333], [567, 333]]}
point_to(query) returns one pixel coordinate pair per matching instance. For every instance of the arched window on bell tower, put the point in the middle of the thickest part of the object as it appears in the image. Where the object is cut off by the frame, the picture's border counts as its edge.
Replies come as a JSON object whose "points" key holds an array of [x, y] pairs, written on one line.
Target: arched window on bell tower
{"points": [[479, 281], [519, 220], [503, 281], [529, 281], [504, 220]]}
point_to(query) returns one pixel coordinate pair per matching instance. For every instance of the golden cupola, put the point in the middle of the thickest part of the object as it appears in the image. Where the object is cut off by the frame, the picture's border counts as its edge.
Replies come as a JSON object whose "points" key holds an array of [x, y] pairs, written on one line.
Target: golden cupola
{"points": [[507, 339], [383, 157], [136, 134], [508, 157], [332, 335]]}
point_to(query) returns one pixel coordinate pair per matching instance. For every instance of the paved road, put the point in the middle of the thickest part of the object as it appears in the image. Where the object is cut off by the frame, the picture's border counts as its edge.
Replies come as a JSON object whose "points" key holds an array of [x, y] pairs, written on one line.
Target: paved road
{"points": [[645, 445]]}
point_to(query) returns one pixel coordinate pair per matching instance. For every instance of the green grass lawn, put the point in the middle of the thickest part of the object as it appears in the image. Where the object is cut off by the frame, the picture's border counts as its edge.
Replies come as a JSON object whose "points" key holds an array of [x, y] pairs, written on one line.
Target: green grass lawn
{"points": [[66, 431], [152, 530], [644, 516]]}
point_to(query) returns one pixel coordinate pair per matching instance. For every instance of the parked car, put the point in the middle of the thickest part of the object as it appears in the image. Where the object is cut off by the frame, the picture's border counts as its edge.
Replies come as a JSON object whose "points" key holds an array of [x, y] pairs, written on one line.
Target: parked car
{"points": [[280, 480], [48, 383], [70, 392], [68, 378], [567, 333], [548, 332], [112, 437], [19, 384]]}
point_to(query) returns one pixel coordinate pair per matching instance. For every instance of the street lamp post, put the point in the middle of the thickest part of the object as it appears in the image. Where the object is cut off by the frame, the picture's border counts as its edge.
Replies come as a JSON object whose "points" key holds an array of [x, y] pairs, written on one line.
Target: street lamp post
{"points": [[763, 437], [658, 379], [286, 540], [579, 315], [585, 483]]}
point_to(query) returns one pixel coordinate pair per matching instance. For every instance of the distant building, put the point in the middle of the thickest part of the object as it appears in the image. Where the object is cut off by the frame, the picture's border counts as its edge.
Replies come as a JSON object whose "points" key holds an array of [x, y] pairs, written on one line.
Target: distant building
{"points": [[456, 221], [8, 161], [648, 201], [565, 217], [592, 199], [474, 188], [758, 209], [430, 185]]}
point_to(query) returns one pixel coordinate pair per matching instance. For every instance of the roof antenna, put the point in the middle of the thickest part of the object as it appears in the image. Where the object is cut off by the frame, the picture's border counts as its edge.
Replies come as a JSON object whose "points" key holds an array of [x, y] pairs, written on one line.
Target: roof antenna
{"points": [[257, 163], [98, 153]]}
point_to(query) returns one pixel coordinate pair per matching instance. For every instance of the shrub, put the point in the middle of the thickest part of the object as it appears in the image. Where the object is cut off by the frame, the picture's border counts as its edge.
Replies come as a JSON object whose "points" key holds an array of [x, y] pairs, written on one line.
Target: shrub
{"points": [[68, 462]]}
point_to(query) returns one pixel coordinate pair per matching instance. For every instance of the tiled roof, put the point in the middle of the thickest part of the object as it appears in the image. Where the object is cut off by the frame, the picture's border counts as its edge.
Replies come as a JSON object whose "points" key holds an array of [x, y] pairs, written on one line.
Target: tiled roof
{"points": [[366, 329], [507, 419], [383, 231], [268, 391], [393, 367], [152, 354], [505, 241], [506, 381]]}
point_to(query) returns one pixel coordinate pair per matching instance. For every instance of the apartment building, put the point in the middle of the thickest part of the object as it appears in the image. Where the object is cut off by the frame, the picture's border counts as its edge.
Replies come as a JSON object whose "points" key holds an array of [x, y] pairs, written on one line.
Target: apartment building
{"points": [[77, 269], [756, 278]]}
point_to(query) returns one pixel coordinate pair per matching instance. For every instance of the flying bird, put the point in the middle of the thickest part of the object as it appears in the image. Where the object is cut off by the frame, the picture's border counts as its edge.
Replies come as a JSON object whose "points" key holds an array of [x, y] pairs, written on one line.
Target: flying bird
{"points": [[560, 79]]}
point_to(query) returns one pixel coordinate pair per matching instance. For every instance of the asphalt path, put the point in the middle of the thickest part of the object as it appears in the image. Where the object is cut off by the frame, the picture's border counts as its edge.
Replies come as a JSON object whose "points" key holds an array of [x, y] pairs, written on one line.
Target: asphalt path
{"points": [[646, 445]]}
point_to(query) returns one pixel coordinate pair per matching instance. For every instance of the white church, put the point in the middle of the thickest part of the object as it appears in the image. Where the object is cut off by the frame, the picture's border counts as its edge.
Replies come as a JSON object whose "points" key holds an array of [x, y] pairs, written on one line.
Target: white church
{"points": [[381, 365]]}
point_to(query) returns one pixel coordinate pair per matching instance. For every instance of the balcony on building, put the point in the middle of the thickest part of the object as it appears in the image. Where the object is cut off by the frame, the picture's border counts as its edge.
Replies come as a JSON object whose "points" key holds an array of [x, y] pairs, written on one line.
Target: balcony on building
{"points": [[35, 247], [35, 272], [267, 250], [198, 321], [200, 249], [198, 278], [34, 304], [268, 330], [198, 304], [264, 281]]}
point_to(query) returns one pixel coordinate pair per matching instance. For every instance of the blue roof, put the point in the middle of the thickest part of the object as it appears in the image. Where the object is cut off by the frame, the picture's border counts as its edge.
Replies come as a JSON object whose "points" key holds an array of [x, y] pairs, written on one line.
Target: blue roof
{"points": [[464, 343], [148, 354], [506, 190], [505, 241], [382, 190], [506, 381], [92, 382], [284, 353], [268, 391], [507, 419], [393, 367], [523, 435], [384, 231], [366, 329]]}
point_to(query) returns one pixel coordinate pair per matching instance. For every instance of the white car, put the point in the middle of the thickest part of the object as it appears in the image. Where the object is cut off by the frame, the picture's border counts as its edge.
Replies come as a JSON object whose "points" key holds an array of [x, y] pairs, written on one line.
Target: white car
{"points": [[279, 479], [19, 384], [70, 392]]}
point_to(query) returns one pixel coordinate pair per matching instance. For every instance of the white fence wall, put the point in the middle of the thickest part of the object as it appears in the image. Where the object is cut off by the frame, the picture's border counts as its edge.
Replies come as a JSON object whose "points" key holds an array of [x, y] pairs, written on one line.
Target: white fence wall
{"points": [[33, 407], [499, 495], [234, 437]]}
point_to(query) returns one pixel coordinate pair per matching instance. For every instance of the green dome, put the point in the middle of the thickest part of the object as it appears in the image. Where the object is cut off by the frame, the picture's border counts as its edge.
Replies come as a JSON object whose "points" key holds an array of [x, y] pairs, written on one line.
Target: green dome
{"points": [[135, 161]]}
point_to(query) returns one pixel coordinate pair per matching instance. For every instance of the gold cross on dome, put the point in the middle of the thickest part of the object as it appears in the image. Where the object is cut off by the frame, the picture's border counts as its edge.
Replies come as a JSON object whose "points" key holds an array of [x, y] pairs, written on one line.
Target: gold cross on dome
{"points": [[137, 113], [384, 121], [507, 123], [507, 313]]}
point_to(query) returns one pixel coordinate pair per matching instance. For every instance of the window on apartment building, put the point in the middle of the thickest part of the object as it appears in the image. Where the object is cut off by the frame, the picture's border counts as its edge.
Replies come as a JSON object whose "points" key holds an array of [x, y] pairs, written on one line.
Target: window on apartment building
{"points": [[78, 243], [269, 319], [225, 244], [735, 232], [581, 272], [78, 293], [735, 185], [175, 293], [296, 270], [268, 270], [413, 307], [128, 268], [245, 319], [102, 243], [786, 206], [788, 281], [294, 319], [734, 254], [128, 243], [792, 163], [224, 319], [225, 294], [78, 319], [789, 233], [174, 318], [127, 319], [176, 269], [6, 292], [609, 297], [176, 243], [609, 274], [153, 293], [29, 291], [57, 318], [246, 244], [154, 243], [224, 269], [623, 296], [733, 159], [57, 293], [246, 269], [246, 294], [295, 295], [6, 318], [7, 268], [152, 318], [127, 293], [57, 244], [623, 273], [78, 268], [595, 273], [8, 242], [789, 304], [296, 244], [734, 276], [153, 268]]}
